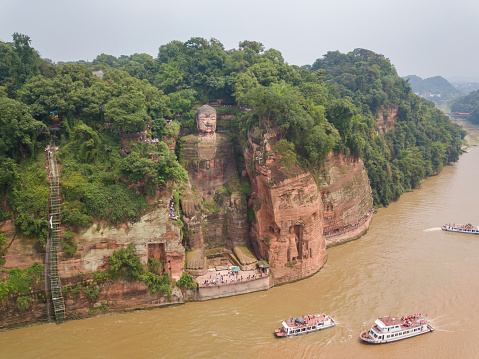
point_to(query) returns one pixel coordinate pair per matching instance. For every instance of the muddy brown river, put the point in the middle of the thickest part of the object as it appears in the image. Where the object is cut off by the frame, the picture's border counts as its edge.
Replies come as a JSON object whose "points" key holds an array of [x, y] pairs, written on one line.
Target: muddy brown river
{"points": [[404, 265]]}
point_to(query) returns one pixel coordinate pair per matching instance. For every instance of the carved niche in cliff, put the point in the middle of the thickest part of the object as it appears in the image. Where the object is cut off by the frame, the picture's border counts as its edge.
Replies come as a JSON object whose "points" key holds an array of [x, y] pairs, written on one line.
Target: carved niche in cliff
{"points": [[288, 213], [215, 210]]}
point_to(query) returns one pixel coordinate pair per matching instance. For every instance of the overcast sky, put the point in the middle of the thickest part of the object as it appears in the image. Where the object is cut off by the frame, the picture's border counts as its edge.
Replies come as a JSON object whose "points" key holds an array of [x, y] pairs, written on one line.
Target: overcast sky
{"points": [[420, 37]]}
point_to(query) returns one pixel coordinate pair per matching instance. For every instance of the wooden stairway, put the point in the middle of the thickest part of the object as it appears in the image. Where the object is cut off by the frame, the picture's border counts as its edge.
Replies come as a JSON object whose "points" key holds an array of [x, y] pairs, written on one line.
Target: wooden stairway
{"points": [[55, 237]]}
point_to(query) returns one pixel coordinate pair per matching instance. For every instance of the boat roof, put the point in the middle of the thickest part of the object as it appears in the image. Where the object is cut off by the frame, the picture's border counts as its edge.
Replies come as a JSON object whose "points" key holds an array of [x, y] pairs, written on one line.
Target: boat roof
{"points": [[291, 323], [389, 321], [394, 320]]}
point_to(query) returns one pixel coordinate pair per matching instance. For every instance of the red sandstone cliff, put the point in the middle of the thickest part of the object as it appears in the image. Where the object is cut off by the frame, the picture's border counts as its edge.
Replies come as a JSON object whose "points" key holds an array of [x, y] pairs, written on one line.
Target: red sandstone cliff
{"points": [[296, 217], [347, 200], [386, 121], [292, 210], [154, 236]]}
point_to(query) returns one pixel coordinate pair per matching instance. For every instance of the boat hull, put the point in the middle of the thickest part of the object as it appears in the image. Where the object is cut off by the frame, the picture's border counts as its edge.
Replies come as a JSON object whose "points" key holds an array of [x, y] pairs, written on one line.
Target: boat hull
{"points": [[281, 334], [365, 337], [460, 230]]}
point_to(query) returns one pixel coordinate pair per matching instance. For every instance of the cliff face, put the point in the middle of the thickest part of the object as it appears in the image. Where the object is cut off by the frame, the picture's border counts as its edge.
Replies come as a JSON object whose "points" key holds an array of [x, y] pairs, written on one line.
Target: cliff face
{"points": [[288, 213], [292, 211], [214, 208], [386, 121], [113, 297], [297, 215], [347, 200], [154, 236]]}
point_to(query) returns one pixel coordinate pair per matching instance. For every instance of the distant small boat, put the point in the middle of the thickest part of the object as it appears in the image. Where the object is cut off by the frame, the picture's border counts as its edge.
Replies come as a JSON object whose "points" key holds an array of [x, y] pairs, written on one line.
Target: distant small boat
{"points": [[304, 325], [391, 329], [461, 228]]}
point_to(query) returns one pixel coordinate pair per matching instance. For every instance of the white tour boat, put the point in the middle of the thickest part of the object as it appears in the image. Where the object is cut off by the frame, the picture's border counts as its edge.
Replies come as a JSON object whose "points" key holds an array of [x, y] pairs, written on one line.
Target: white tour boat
{"points": [[461, 228], [304, 324], [390, 329]]}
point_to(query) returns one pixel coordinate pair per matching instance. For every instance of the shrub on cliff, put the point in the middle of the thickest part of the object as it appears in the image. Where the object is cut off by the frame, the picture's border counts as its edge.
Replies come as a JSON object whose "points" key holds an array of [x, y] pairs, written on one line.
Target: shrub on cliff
{"points": [[3, 243], [157, 283], [124, 264], [286, 150], [29, 199], [24, 302], [186, 281], [93, 293], [69, 246], [19, 281]]}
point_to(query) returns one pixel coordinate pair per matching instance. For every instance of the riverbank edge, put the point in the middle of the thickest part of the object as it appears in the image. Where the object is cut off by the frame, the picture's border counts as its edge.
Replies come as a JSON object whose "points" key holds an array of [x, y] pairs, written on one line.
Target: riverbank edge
{"points": [[211, 292]]}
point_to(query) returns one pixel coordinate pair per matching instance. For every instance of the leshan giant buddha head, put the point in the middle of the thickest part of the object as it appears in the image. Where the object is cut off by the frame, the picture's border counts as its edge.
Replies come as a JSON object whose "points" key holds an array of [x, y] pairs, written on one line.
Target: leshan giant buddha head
{"points": [[206, 121]]}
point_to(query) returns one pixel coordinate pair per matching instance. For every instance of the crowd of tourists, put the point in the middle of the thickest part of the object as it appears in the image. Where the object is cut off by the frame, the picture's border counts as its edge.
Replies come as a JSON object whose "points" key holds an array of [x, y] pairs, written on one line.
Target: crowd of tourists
{"points": [[173, 216], [231, 277]]}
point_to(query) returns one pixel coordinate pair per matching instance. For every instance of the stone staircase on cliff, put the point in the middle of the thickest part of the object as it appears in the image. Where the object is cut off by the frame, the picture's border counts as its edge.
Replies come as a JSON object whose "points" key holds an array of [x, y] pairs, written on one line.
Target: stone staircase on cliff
{"points": [[55, 237]]}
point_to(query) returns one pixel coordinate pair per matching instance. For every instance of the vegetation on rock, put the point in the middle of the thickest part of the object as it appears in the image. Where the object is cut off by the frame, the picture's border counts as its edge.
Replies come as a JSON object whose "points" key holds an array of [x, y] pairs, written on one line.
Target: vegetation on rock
{"points": [[339, 103]]}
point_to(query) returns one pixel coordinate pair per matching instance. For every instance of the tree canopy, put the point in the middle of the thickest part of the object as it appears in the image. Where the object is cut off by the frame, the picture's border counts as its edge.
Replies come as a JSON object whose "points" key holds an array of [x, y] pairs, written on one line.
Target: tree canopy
{"points": [[335, 104]]}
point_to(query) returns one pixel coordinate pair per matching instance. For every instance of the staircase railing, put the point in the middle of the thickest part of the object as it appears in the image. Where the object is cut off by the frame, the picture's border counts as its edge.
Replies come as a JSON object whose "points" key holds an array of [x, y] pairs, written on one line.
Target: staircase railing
{"points": [[55, 237]]}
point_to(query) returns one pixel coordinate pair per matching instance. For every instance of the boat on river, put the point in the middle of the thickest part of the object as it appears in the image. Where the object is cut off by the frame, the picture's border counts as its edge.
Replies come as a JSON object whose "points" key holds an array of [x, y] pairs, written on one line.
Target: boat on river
{"points": [[304, 325], [461, 228], [391, 329]]}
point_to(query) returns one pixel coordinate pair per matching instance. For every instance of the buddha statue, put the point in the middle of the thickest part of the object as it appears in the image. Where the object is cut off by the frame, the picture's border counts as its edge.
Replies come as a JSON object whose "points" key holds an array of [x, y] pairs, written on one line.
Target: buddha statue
{"points": [[206, 122], [213, 200]]}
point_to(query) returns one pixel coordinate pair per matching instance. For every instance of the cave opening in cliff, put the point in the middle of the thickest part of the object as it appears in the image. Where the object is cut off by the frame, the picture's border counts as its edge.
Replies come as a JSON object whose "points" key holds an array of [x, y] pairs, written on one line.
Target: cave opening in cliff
{"points": [[157, 251], [298, 231]]}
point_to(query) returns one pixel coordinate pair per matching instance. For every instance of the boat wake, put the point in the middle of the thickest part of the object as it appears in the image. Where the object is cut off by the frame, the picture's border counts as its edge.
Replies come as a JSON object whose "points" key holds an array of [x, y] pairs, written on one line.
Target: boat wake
{"points": [[432, 229], [444, 330]]}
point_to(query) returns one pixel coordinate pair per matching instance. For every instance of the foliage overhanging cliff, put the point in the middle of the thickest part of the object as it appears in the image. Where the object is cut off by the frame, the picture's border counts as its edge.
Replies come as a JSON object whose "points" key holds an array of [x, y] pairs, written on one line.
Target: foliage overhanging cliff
{"points": [[335, 104]]}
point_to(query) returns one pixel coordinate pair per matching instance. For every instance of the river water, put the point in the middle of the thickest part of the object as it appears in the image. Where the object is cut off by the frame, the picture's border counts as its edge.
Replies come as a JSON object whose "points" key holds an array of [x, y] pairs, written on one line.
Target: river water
{"points": [[404, 265]]}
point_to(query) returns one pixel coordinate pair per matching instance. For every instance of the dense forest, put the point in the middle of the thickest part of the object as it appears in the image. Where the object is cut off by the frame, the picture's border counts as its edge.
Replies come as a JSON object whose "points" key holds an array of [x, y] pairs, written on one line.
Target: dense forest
{"points": [[332, 105], [468, 104]]}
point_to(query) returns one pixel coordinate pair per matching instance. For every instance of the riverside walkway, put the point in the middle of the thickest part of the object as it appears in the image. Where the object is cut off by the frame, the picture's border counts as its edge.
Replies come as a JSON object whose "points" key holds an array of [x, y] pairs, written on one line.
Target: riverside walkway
{"points": [[349, 227]]}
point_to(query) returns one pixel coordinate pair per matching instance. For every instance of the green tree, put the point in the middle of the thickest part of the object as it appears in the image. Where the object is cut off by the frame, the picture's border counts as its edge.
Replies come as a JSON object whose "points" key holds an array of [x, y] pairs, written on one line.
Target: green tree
{"points": [[125, 264], [25, 64], [19, 129]]}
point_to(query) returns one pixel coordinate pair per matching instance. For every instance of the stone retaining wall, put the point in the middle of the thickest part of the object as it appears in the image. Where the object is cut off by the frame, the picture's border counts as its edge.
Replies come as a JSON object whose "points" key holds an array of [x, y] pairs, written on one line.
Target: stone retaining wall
{"points": [[228, 290]]}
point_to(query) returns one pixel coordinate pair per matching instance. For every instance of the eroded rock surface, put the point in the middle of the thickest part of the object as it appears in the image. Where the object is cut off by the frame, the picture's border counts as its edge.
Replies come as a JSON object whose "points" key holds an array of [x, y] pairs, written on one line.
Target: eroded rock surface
{"points": [[154, 236], [293, 210]]}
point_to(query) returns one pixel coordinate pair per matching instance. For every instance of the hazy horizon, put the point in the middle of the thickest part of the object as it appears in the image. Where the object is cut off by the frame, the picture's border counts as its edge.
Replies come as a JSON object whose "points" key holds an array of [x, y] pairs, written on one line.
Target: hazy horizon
{"points": [[421, 37]]}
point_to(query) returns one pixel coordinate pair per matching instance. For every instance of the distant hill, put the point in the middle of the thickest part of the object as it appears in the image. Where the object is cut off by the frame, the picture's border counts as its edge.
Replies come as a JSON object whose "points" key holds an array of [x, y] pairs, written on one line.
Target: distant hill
{"points": [[466, 87], [436, 87]]}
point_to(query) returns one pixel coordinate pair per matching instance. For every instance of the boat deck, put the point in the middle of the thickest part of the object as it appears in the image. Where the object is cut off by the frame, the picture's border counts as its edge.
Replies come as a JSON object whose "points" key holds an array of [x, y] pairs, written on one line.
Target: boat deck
{"points": [[304, 324], [406, 322], [308, 321]]}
